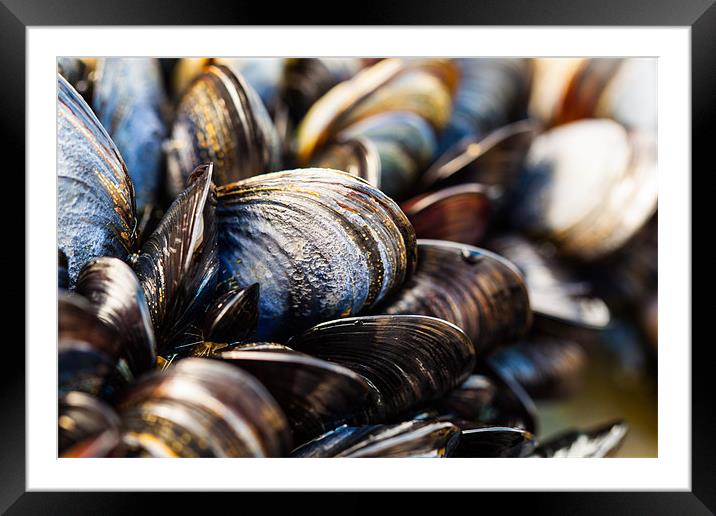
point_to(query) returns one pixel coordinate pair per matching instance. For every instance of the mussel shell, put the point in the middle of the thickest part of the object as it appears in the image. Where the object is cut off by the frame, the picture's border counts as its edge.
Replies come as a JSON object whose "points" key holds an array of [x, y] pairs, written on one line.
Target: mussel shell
{"points": [[588, 186], [263, 74], [321, 243], [357, 156], [555, 292], [410, 359], [494, 160], [409, 439], [232, 316], [478, 291], [221, 119], [203, 408], [81, 416], [491, 93], [546, 368], [593, 443], [420, 87], [315, 395], [495, 442], [458, 213], [177, 266], [94, 191], [128, 98], [118, 300]]}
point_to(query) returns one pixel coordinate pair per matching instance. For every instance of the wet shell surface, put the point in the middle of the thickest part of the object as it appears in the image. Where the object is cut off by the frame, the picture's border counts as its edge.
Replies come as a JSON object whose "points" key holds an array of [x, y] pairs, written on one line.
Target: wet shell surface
{"points": [[202, 408], [316, 395], [321, 244], [409, 359], [477, 290], [221, 119], [129, 98], [93, 187]]}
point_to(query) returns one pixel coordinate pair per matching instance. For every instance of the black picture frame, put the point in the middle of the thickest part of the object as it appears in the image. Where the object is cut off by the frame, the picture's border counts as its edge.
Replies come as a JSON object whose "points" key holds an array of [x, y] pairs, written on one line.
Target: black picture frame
{"points": [[17, 15]]}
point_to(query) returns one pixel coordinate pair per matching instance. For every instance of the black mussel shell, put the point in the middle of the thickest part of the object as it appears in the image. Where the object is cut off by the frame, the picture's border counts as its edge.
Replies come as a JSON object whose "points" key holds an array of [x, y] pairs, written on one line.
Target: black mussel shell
{"points": [[410, 359], [594, 443], [321, 243], [128, 98], [545, 367], [316, 395], [480, 292], [118, 300], [202, 408], [178, 265], [81, 416], [94, 191], [458, 213], [556, 295], [233, 315], [495, 442], [423, 438], [221, 119], [63, 275]]}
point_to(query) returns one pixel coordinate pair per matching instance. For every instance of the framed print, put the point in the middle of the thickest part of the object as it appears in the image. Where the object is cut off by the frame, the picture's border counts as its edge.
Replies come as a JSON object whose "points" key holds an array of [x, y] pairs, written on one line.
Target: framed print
{"points": [[439, 235]]}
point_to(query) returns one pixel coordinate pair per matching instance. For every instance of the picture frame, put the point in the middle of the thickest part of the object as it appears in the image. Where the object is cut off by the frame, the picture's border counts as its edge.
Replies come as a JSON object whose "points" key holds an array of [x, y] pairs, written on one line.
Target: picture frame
{"points": [[17, 15]]}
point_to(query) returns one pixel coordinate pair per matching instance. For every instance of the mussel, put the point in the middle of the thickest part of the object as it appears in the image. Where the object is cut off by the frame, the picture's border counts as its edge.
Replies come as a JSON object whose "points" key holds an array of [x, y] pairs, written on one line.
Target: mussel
{"points": [[589, 186], [118, 300], [410, 359], [221, 119], [321, 243], [129, 99], [480, 292], [94, 191], [459, 213], [202, 408]]}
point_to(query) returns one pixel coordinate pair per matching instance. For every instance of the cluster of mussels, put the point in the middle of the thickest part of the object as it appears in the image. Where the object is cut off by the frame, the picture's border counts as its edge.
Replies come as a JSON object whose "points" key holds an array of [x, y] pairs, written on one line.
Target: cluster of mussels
{"points": [[276, 257]]}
